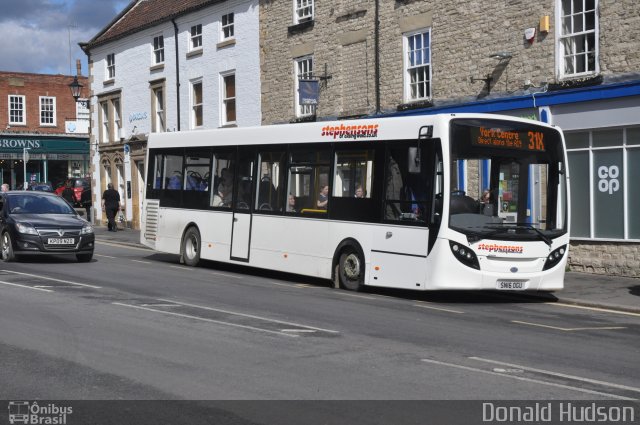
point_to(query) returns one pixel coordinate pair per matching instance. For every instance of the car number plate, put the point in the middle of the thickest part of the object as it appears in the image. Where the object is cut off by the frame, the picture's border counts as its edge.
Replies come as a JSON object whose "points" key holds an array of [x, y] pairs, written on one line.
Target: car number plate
{"points": [[512, 284], [60, 241]]}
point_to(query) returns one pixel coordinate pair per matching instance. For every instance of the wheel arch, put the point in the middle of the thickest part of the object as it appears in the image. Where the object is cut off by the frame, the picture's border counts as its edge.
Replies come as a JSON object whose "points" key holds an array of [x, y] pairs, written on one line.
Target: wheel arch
{"points": [[347, 243], [184, 233]]}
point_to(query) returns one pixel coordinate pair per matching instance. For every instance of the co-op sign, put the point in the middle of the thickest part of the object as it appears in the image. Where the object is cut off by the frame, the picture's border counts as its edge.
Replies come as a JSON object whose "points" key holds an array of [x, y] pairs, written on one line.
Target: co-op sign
{"points": [[20, 144]]}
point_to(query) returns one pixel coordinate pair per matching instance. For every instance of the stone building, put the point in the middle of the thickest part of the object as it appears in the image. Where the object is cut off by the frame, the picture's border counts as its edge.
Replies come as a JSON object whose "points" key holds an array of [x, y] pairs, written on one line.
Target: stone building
{"points": [[39, 116], [167, 65], [571, 63]]}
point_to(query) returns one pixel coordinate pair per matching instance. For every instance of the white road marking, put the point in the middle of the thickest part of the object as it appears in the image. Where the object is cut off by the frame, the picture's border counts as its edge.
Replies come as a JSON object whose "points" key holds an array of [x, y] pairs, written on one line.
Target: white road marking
{"points": [[521, 378], [298, 330], [561, 375], [25, 286], [603, 310], [439, 308], [143, 262], [104, 256], [204, 319], [183, 268], [102, 242], [346, 294], [227, 275], [52, 279], [159, 305], [250, 316], [602, 328]]}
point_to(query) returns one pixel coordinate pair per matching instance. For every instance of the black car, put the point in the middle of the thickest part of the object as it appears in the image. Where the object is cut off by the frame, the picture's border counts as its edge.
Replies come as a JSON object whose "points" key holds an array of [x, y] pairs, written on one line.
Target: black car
{"points": [[42, 187], [33, 222]]}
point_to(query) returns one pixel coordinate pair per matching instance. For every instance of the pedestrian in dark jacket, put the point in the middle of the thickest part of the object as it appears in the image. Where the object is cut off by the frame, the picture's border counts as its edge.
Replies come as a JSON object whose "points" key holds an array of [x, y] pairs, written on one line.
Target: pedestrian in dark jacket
{"points": [[111, 205], [68, 194]]}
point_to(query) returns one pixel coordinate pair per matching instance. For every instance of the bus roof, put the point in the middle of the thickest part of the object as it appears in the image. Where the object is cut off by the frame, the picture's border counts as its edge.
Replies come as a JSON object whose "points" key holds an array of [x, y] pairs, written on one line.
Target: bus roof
{"points": [[368, 129]]}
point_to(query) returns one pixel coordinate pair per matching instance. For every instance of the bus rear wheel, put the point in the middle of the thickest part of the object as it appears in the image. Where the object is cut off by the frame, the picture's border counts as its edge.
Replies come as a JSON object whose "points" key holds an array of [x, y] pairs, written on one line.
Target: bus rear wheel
{"points": [[191, 247], [351, 270]]}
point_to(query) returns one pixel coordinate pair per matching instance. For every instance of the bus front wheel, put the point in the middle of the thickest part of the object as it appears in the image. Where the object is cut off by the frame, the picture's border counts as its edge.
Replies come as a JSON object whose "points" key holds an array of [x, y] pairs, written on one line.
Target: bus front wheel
{"points": [[191, 247], [351, 270]]}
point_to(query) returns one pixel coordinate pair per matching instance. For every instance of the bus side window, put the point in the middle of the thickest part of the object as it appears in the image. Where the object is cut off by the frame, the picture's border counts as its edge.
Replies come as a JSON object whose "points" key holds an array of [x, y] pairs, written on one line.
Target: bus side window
{"points": [[270, 190], [405, 191]]}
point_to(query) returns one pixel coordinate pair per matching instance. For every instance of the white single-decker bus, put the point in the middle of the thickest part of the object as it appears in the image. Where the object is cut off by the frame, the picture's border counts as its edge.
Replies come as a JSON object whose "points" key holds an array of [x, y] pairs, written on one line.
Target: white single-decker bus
{"points": [[449, 201]]}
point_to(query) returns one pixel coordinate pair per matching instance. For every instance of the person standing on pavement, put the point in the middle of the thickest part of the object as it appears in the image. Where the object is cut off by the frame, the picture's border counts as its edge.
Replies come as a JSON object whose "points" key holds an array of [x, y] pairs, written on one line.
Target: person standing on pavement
{"points": [[111, 205], [68, 194]]}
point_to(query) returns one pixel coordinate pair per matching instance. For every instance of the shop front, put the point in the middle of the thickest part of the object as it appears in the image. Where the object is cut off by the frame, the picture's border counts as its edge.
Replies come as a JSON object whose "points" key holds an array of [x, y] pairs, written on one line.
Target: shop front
{"points": [[28, 159]]}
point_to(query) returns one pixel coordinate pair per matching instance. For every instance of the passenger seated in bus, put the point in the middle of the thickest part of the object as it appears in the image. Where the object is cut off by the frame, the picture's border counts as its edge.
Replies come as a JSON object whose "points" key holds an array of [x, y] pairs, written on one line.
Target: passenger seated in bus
{"points": [[487, 203], [291, 203], [359, 191], [462, 204], [175, 181], [323, 197], [225, 188]]}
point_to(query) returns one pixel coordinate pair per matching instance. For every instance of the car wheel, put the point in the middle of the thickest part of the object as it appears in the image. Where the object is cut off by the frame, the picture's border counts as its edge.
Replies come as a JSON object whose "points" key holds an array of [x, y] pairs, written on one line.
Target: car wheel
{"points": [[85, 257], [7, 248], [191, 247], [351, 269]]}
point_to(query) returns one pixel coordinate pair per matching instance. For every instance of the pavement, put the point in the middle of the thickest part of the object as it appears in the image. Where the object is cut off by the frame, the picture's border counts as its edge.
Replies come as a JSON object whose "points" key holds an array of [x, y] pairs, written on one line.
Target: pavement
{"points": [[581, 289]]}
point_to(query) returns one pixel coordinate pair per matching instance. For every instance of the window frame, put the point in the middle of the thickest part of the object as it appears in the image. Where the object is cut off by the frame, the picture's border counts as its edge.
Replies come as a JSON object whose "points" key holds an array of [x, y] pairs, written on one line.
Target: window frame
{"points": [[227, 30], [157, 49], [194, 105], [408, 68], [225, 100], [195, 39], [302, 111], [626, 147], [22, 111], [110, 63], [562, 38], [301, 5], [158, 114], [52, 111]]}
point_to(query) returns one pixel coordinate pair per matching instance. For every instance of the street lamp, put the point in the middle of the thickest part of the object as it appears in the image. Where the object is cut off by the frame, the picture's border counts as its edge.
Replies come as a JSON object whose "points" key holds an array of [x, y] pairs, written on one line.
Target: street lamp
{"points": [[76, 88], [25, 159]]}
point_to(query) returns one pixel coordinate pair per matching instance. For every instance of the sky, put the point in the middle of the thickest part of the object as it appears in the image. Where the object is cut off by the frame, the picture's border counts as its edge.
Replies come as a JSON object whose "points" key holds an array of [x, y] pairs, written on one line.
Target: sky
{"points": [[42, 36]]}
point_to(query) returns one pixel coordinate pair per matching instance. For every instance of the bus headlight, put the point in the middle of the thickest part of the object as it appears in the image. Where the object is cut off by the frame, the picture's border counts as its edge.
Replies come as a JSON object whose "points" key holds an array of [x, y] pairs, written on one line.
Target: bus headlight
{"points": [[465, 255], [554, 257]]}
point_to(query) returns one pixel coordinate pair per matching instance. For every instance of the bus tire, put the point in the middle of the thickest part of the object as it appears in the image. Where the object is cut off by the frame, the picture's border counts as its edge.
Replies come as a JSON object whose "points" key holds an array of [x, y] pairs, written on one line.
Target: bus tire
{"points": [[351, 269], [191, 245]]}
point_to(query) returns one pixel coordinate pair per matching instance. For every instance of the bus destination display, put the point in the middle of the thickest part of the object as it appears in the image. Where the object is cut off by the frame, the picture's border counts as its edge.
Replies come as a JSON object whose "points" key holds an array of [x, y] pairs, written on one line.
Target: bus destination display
{"points": [[498, 138]]}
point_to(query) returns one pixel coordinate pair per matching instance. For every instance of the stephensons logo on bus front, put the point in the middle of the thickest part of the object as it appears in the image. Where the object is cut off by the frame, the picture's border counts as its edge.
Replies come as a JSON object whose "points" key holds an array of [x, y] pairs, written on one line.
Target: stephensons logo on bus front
{"points": [[502, 249], [351, 131]]}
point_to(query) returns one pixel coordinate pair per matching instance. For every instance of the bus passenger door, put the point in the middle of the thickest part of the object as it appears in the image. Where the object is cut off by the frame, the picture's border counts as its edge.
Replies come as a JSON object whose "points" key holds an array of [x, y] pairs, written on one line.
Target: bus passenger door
{"points": [[242, 200]]}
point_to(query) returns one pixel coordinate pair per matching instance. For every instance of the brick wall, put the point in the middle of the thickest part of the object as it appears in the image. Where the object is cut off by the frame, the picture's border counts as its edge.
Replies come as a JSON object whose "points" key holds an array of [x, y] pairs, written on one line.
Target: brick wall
{"points": [[32, 86]]}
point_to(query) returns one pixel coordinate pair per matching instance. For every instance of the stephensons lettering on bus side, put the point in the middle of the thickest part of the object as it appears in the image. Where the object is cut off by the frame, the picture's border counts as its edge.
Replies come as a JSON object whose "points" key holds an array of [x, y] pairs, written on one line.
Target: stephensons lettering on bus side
{"points": [[351, 131], [559, 412]]}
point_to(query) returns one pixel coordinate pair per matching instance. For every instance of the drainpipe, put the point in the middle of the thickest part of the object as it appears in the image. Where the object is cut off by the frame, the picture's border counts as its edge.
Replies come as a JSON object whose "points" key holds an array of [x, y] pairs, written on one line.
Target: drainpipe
{"points": [[377, 54], [175, 30]]}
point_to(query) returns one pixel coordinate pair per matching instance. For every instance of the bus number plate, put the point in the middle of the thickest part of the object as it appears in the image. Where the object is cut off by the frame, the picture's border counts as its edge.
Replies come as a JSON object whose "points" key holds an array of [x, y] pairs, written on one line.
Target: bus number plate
{"points": [[512, 284]]}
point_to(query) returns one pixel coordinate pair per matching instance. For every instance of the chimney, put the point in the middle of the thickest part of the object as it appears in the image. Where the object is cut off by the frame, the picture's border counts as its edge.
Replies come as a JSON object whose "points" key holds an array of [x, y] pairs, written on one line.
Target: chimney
{"points": [[78, 67]]}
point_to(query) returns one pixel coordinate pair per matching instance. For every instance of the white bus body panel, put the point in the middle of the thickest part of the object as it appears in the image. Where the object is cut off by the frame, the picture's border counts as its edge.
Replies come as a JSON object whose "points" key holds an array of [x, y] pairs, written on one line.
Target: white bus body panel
{"points": [[522, 267], [240, 236]]}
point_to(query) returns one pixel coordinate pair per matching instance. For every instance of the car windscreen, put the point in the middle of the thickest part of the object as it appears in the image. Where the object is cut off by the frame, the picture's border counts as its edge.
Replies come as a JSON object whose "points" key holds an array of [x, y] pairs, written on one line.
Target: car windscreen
{"points": [[37, 204]]}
